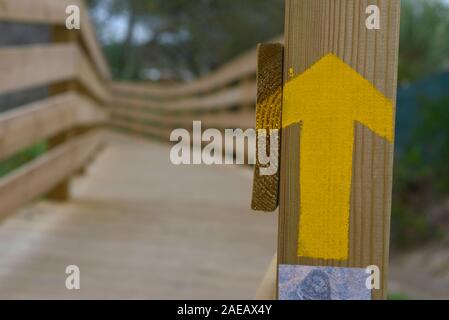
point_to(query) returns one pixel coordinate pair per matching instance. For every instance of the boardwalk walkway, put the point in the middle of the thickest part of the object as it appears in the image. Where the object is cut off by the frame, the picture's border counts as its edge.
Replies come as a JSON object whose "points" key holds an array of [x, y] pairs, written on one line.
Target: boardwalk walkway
{"points": [[139, 227]]}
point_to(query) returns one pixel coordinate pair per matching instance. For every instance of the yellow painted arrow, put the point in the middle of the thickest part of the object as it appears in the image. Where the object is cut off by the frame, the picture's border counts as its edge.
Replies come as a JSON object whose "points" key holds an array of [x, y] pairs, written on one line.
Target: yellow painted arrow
{"points": [[327, 99]]}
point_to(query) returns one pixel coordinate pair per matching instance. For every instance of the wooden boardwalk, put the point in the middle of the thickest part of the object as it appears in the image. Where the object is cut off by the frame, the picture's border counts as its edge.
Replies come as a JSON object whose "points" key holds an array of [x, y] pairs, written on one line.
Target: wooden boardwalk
{"points": [[140, 228]]}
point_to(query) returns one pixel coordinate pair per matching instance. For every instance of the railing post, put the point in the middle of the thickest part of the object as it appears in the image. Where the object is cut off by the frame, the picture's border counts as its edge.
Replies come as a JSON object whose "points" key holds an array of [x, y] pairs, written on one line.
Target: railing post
{"points": [[62, 34], [340, 76]]}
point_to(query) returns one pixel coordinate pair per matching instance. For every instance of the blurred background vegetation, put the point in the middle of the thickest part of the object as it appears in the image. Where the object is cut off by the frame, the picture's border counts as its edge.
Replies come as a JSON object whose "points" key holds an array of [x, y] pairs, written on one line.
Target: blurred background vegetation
{"points": [[180, 40]]}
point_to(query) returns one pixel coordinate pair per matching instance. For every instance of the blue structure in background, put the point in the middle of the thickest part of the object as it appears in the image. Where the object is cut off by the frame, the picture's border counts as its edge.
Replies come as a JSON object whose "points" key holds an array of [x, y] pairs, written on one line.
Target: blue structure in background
{"points": [[432, 88]]}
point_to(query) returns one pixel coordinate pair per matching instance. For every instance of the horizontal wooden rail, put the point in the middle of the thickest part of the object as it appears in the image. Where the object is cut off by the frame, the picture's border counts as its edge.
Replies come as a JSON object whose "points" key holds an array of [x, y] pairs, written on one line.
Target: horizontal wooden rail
{"points": [[162, 133], [24, 126], [243, 94], [240, 68], [44, 173], [243, 119], [26, 67], [35, 11], [29, 66], [52, 12]]}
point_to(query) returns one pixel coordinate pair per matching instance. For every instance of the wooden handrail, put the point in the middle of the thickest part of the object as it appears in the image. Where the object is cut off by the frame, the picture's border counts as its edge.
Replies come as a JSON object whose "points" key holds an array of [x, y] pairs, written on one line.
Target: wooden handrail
{"points": [[68, 69], [243, 119], [28, 66], [242, 67], [44, 173], [24, 126], [162, 133], [35, 11], [243, 94], [24, 67], [52, 12]]}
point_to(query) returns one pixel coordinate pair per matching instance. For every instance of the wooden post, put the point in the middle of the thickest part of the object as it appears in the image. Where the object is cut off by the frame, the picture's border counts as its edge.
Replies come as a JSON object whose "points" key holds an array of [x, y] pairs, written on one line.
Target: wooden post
{"points": [[337, 68], [268, 117], [62, 34]]}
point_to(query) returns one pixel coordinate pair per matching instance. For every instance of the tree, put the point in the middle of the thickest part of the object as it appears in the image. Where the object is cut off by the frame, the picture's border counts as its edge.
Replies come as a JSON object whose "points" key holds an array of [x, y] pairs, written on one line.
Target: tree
{"points": [[424, 45], [186, 38]]}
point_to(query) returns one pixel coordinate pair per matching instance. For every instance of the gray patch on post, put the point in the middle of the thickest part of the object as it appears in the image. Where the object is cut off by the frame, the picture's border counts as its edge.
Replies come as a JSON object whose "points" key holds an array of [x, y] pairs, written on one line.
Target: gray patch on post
{"points": [[322, 283]]}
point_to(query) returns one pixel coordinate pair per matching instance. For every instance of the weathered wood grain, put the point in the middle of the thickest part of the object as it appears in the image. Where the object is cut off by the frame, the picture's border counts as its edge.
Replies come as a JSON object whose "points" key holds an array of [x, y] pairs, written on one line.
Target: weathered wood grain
{"points": [[315, 28], [265, 195]]}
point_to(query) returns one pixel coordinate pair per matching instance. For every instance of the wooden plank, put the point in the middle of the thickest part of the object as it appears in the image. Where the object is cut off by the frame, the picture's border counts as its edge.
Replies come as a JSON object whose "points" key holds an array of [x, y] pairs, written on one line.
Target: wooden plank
{"points": [[28, 66], [42, 174], [52, 12], [35, 11], [242, 67], [25, 67], [243, 119], [268, 117], [113, 228], [267, 288], [315, 28], [226, 98], [34, 122], [162, 133]]}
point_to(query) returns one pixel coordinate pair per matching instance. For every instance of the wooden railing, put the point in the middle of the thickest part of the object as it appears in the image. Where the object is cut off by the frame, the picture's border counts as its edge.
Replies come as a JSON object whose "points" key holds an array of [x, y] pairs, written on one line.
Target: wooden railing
{"points": [[225, 99], [83, 98], [52, 13], [69, 120], [232, 107]]}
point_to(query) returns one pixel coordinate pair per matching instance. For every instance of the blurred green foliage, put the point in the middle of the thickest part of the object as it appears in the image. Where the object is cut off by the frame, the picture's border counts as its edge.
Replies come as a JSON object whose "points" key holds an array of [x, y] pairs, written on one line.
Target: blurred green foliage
{"points": [[184, 38], [398, 296], [21, 158], [431, 141], [424, 42], [421, 175]]}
